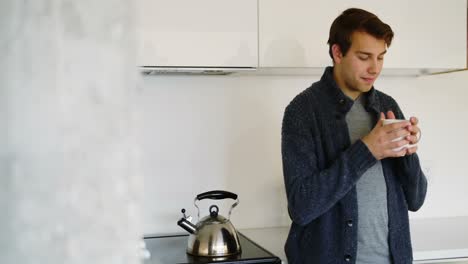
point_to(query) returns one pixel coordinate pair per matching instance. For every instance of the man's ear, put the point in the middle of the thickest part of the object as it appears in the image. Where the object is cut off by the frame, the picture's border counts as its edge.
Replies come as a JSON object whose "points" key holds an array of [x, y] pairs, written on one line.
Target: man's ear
{"points": [[336, 52]]}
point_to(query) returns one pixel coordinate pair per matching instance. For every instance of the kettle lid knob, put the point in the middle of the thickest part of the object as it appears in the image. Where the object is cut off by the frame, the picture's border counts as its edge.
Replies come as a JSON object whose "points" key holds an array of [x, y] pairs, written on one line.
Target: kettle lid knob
{"points": [[214, 211]]}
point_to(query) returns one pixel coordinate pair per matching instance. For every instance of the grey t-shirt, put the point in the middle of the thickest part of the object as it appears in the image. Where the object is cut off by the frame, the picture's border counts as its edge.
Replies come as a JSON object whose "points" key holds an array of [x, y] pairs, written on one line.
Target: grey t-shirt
{"points": [[371, 189]]}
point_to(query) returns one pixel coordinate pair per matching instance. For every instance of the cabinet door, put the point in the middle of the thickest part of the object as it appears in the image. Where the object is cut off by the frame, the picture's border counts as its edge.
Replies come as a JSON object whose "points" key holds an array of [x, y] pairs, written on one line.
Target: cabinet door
{"points": [[206, 33], [428, 33]]}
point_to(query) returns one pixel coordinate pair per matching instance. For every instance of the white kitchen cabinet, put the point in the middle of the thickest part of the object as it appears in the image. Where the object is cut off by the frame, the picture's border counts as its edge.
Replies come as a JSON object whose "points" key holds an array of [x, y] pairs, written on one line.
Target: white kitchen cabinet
{"points": [[429, 34], [202, 33]]}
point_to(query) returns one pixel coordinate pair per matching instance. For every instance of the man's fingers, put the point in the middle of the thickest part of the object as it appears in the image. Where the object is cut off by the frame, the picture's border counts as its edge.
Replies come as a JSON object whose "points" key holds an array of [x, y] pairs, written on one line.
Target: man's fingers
{"points": [[400, 133], [380, 121], [391, 115], [381, 138], [413, 129], [398, 144], [414, 120], [400, 153], [412, 139], [411, 150], [396, 126]]}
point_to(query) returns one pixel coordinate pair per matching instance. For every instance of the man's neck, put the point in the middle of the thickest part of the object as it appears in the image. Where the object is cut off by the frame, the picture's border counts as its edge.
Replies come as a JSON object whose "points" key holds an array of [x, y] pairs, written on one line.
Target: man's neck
{"points": [[342, 85]]}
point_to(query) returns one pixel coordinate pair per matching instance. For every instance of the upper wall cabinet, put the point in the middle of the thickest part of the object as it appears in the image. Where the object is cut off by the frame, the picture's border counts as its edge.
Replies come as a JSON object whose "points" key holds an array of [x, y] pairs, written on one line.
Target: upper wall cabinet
{"points": [[202, 33], [429, 34]]}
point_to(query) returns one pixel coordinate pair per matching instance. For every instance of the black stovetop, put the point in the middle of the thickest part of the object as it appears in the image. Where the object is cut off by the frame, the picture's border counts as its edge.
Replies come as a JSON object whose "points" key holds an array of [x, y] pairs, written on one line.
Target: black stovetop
{"points": [[172, 250]]}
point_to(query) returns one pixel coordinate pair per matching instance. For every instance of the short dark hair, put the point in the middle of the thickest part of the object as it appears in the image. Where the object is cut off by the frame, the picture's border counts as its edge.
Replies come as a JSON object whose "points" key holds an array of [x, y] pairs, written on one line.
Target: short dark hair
{"points": [[355, 19]]}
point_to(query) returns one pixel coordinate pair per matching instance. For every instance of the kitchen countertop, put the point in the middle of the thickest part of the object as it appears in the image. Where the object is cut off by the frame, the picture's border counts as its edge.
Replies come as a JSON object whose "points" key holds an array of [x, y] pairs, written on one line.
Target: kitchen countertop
{"points": [[435, 240]]}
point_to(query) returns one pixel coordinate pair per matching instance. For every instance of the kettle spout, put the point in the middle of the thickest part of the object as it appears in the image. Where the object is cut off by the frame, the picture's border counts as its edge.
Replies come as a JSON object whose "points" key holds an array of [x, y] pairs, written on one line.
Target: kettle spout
{"points": [[185, 224]]}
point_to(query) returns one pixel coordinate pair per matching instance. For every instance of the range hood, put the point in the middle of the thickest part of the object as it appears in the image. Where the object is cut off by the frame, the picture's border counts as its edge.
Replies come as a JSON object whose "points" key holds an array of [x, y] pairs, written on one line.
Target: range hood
{"points": [[203, 37], [187, 70]]}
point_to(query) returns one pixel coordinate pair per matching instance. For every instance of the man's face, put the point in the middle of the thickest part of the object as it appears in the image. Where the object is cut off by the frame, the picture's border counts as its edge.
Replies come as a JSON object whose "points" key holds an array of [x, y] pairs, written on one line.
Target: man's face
{"points": [[362, 64]]}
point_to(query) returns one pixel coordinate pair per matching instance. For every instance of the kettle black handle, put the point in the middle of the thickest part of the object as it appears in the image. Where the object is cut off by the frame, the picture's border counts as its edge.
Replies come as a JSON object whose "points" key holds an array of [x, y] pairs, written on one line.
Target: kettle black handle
{"points": [[216, 195]]}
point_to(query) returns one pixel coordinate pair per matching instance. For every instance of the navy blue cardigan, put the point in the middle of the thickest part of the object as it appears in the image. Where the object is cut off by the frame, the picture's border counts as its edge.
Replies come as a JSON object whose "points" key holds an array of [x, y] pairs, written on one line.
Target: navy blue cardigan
{"points": [[321, 168]]}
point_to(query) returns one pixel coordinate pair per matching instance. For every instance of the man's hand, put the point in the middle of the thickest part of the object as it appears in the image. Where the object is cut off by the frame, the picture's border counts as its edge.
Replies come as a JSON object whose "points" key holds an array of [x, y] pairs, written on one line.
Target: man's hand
{"points": [[415, 133], [379, 140]]}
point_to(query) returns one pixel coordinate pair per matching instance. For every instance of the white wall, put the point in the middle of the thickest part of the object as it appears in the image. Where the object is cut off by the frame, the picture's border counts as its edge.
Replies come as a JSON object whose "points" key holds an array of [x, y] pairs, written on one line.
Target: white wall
{"points": [[439, 102], [70, 189], [223, 132], [203, 133]]}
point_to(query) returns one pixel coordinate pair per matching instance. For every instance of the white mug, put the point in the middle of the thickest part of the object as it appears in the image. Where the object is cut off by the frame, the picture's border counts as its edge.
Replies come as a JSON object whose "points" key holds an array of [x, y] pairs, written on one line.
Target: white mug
{"points": [[392, 121]]}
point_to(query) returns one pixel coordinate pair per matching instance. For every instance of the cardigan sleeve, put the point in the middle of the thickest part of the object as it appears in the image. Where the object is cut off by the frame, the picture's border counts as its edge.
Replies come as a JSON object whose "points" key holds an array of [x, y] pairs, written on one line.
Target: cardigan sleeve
{"points": [[311, 191], [412, 178]]}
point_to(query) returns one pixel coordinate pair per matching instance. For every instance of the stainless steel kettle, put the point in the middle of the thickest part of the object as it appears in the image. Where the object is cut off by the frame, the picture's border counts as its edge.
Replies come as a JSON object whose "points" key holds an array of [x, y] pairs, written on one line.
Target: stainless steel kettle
{"points": [[214, 235]]}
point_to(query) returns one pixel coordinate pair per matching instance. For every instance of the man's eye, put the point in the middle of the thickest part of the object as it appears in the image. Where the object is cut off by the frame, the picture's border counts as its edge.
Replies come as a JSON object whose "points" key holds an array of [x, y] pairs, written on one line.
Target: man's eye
{"points": [[363, 58], [380, 58]]}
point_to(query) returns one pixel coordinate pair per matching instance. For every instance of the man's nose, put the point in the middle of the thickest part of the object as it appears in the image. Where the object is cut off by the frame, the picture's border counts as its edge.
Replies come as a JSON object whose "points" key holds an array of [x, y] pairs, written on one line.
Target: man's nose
{"points": [[373, 67]]}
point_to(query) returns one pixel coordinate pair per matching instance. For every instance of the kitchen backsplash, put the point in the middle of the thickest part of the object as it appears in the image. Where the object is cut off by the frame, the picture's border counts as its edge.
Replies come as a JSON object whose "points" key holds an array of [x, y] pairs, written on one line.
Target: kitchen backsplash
{"points": [[223, 132]]}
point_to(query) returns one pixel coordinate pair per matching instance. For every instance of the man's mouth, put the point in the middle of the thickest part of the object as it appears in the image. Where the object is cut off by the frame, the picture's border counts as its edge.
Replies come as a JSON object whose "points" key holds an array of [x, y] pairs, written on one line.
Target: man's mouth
{"points": [[368, 80]]}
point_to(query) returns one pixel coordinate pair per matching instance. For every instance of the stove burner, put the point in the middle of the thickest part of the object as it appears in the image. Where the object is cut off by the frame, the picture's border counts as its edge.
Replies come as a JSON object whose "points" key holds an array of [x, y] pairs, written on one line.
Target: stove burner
{"points": [[172, 249]]}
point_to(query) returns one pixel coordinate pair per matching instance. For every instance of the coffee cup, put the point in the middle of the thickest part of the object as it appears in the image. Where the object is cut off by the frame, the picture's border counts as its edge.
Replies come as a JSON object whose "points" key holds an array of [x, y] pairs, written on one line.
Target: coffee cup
{"points": [[392, 121]]}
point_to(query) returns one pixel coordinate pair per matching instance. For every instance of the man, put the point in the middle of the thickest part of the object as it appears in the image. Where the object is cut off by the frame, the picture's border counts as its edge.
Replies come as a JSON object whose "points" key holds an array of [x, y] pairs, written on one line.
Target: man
{"points": [[348, 190]]}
